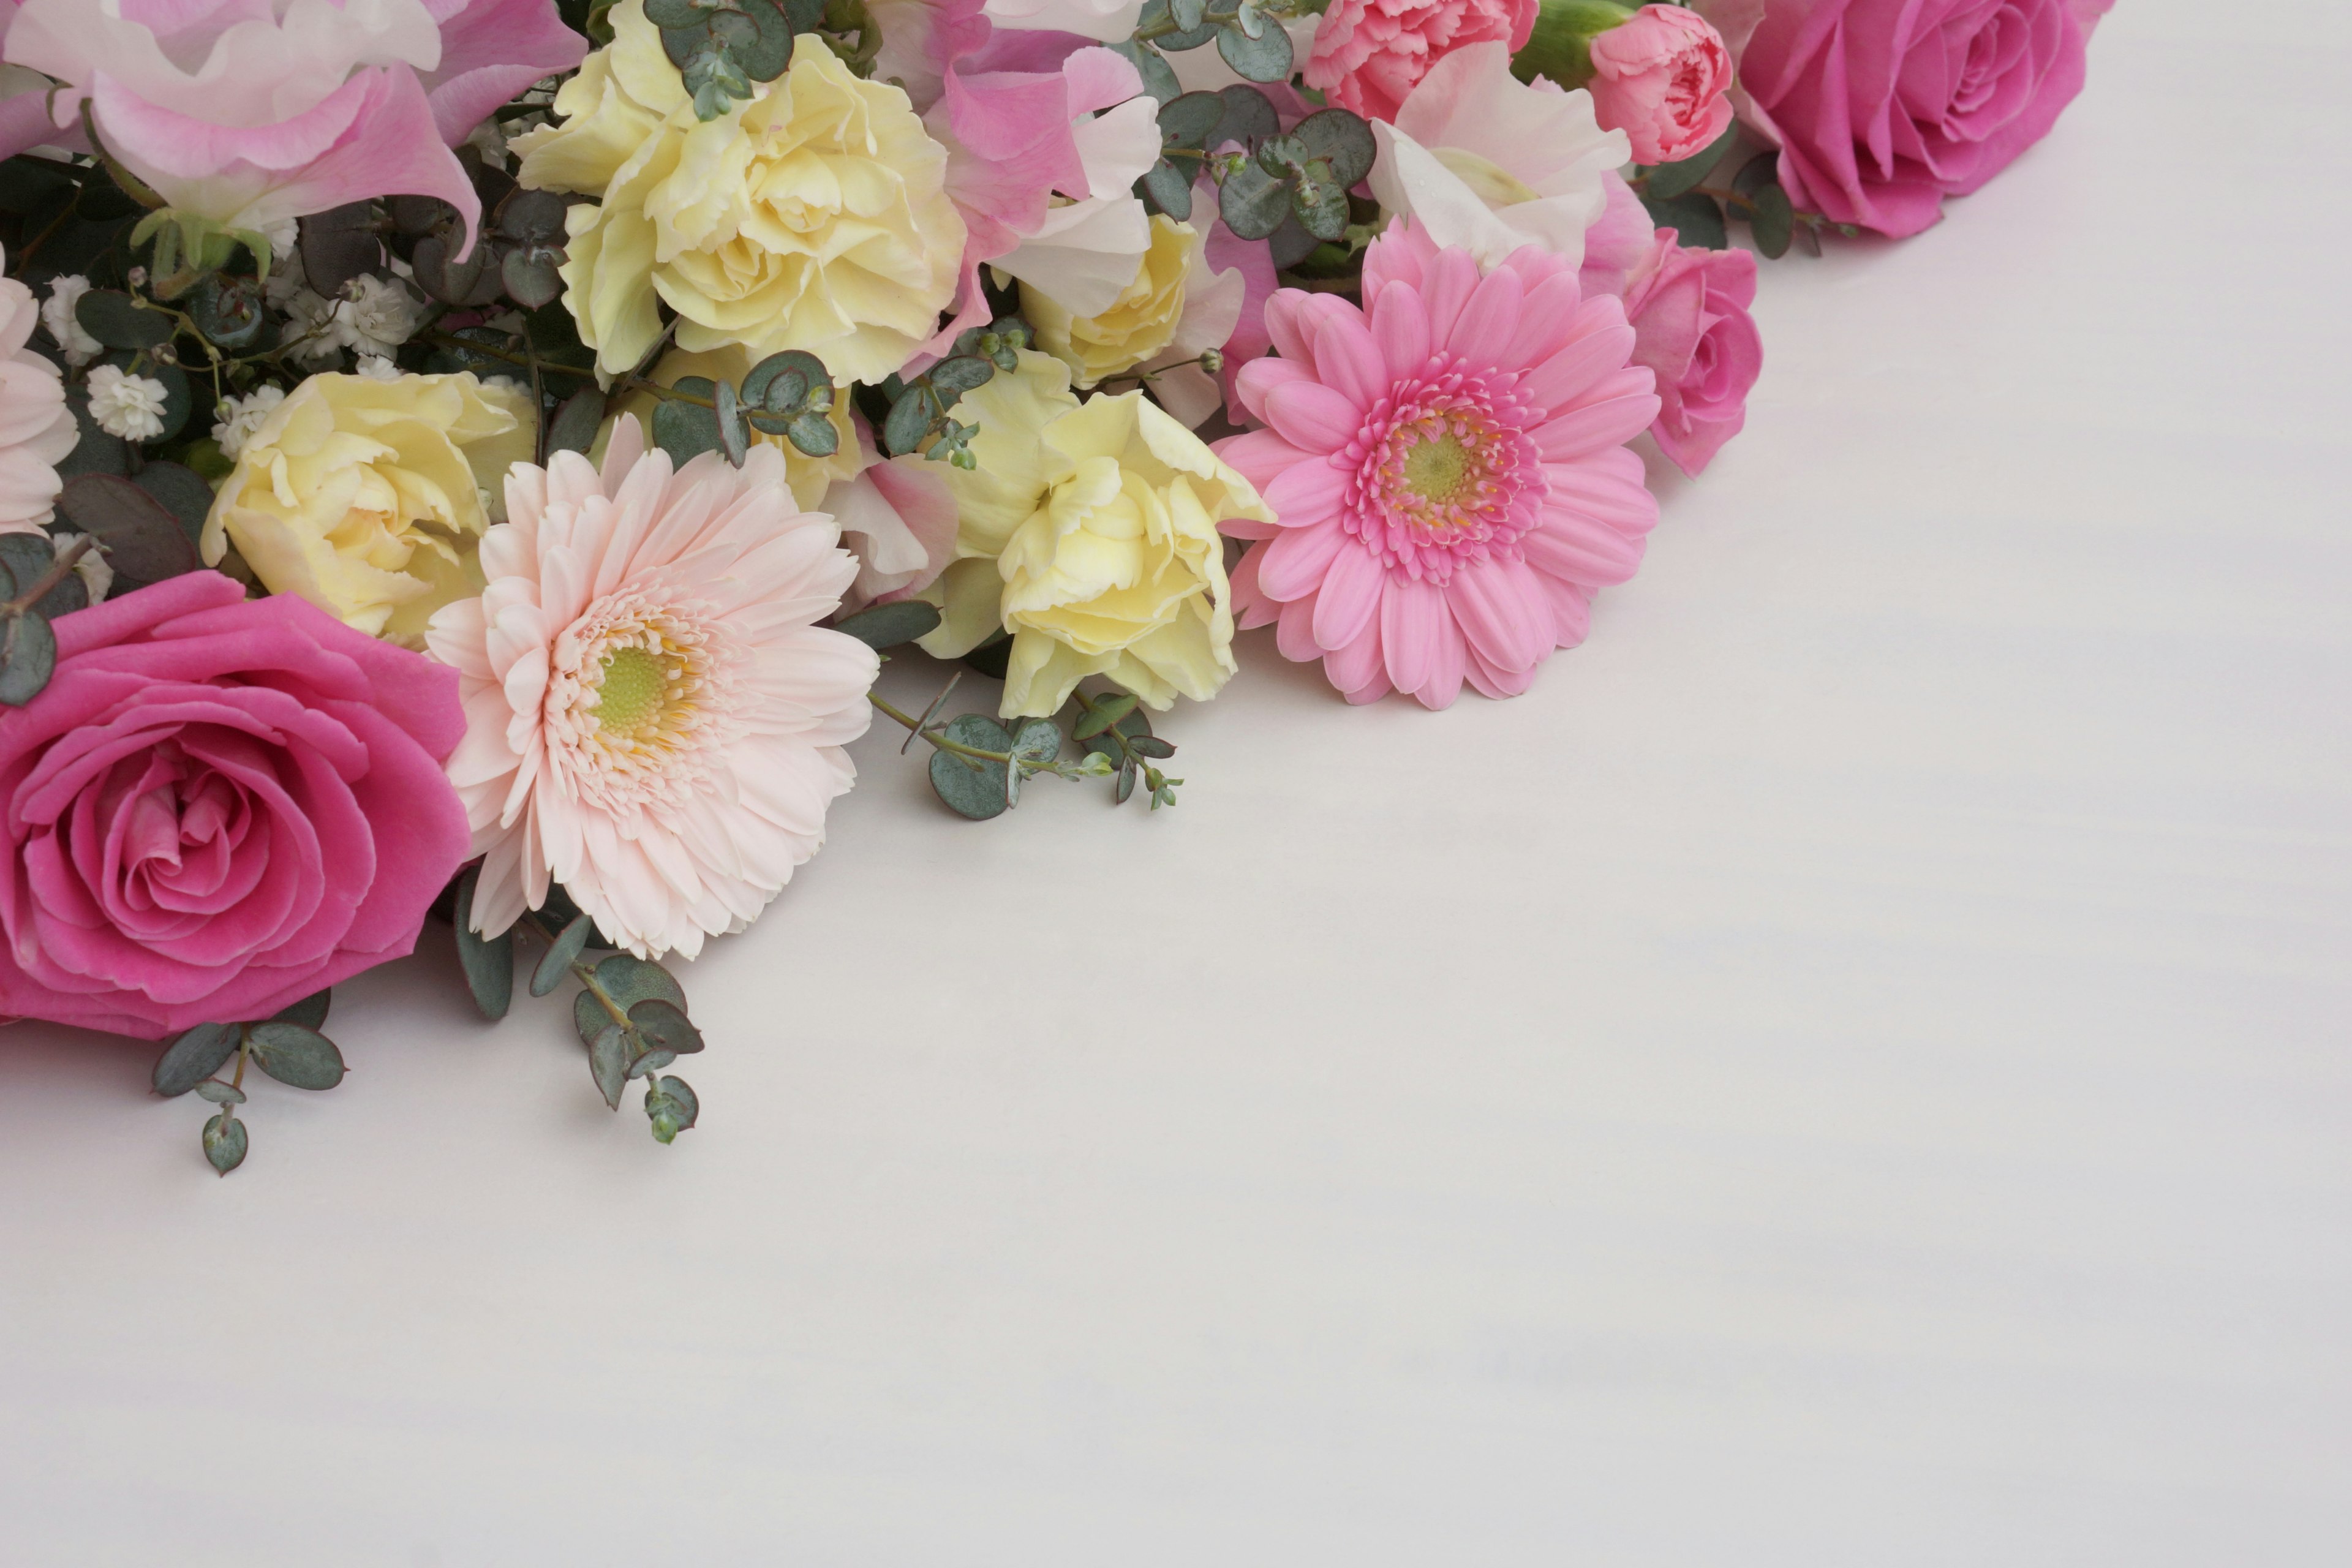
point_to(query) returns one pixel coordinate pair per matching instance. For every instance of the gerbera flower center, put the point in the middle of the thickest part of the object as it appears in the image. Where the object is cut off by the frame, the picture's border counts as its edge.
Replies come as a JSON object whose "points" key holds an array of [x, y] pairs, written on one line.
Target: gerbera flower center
{"points": [[1444, 472], [643, 696], [1435, 467], [629, 690]]}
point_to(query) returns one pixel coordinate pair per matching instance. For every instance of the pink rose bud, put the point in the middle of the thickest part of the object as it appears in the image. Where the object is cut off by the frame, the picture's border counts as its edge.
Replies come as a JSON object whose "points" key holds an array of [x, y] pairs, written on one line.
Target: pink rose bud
{"points": [[1662, 78], [1688, 310]]}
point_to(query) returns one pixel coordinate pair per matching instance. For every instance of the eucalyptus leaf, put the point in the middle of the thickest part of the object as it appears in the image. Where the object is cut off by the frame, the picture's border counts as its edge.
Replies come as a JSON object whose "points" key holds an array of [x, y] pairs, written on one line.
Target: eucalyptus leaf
{"points": [[1168, 190], [1150, 746], [293, 1054], [1321, 206], [972, 787], [1102, 713], [1762, 170], [183, 492], [1133, 724], [888, 626], [672, 1108], [220, 1093], [557, 960], [28, 557], [337, 246], [733, 439], [782, 382], [142, 538], [576, 423], [1189, 120], [663, 1026], [114, 319], [1183, 35], [193, 1058], [1341, 140], [1249, 116], [1038, 741], [533, 217], [96, 452], [652, 1061], [1266, 58], [28, 657], [1667, 181], [529, 276], [628, 981], [1158, 75], [309, 1013], [468, 284], [1695, 219], [608, 1061], [909, 419], [1291, 243], [813, 434], [1771, 220], [488, 961], [224, 1142], [1253, 203], [960, 373], [686, 430]]}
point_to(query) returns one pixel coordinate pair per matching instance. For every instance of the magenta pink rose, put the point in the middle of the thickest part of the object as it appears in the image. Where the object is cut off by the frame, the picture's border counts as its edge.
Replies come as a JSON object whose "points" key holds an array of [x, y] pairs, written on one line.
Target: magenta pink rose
{"points": [[248, 114], [1661, 78], [1368, 54], [1882, 107], [218, 806], [1691, 327]]}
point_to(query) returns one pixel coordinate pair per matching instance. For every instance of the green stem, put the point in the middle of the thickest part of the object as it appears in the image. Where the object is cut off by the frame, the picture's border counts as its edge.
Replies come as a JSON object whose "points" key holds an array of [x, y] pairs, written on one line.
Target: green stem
{"points": [[53, 576], [957, 747]]}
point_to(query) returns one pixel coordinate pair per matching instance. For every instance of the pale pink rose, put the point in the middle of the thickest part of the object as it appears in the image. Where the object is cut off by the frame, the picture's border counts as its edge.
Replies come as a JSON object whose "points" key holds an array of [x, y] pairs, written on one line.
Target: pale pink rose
{"points": [[249, 113], [1882, 107], [1368, 54], [1691, 327], [1661, 78]]}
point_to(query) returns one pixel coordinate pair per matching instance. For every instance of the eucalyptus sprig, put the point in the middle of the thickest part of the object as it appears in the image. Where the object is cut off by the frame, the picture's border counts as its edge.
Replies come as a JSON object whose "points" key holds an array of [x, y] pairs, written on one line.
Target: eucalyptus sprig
{"points": [[287, 1046], [919, 420]]}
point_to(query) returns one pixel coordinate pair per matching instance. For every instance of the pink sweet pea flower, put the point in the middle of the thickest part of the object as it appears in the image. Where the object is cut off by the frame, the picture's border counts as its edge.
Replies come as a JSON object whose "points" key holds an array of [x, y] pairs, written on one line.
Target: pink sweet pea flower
{"points": [[1691, 326], [1368, 54], [1662, 76], [237, 113]]}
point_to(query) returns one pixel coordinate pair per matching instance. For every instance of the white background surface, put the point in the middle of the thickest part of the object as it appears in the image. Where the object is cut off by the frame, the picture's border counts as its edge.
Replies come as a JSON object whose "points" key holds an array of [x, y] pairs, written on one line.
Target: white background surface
{"points": [[1852, 1069]]}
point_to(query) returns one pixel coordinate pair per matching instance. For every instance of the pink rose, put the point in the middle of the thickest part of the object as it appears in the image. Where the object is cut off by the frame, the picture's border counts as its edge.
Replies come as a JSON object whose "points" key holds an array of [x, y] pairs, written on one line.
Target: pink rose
{"points": [[247, 114], [218, 806], [1882, 107], [1662, 78], [1691, 327], [1370, 53]]}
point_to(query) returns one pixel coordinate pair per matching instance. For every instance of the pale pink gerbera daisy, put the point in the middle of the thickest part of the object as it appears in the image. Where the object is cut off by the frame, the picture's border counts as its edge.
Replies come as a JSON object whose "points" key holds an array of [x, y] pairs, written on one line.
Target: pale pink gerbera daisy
{"points": [[652, 718], [1449, 468], [35, 430]]}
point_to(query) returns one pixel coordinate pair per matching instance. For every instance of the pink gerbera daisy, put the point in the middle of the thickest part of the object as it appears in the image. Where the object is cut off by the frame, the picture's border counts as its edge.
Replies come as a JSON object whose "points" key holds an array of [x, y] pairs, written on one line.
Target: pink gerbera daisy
{"points": [[1449, 467]]}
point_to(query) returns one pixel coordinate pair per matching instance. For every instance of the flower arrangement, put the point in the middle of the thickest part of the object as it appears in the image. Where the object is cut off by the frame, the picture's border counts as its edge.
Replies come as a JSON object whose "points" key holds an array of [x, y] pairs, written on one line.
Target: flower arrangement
{"points": [[464, 462]]}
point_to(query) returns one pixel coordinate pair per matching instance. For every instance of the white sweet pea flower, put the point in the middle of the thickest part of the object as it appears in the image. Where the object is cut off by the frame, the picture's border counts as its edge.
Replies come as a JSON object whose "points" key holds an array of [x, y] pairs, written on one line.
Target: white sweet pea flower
{"points": [[58, 316], [129, 407], [1489, 163], [1086, 253]]}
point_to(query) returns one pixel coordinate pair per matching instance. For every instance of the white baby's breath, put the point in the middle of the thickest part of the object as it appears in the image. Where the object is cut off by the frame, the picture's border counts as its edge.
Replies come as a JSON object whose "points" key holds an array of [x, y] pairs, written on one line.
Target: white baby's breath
{"points": [[241, 416], [129, 407], [58, 316]]}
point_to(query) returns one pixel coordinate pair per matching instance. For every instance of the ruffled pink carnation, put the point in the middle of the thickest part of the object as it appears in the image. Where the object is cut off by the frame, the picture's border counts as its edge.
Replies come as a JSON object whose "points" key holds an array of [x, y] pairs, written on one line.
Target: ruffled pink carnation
{"points": [[1370, 53], [1661, 78], [1449, 468]]}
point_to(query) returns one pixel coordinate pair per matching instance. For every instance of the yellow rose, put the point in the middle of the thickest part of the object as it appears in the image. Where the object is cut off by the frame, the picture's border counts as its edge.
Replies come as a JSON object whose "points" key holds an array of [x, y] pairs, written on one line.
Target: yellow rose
{"points": [[369, 497], [811, 216], [808, 476], [1138, 325], [1089, 531]]}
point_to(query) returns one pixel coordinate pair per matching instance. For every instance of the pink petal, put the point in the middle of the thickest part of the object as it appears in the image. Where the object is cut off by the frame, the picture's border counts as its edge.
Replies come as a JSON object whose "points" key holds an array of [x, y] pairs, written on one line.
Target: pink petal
{"points": [[1319, 419], [1297, 558], [1590, 554], [1567, 374], [1484, 332], [1414, 621], [1596, 427], [491, 50], [1305, 493], [1349, 362], [1400, 327], [1502, 611], [1350, 602]]}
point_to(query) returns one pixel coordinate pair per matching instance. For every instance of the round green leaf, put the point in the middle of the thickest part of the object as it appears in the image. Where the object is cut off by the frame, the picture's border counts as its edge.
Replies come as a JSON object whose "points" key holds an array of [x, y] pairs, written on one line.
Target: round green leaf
{"points": [[142, 538], [733, 439], [183, 492], [1168, 190], [672, 1108], [1249, 117], [488, 961], [1266, 58], [1189, 120], [224, 1142], [909, 418], [972, 787], [1772, 221], [628, 980], [309, 1013], [1321, 206], [115, 320], [1669, 180], [220, 1093], [529, 276], [557, 960], [888, 626], [664, 1028], [960, 373], [195, 1056], [1158, 75], [28, 657], [608, 1061], [781, 383], [1696, 219], [293, 1054], [686, 430], [577, 422], [1253, 203], [1341, 139]]}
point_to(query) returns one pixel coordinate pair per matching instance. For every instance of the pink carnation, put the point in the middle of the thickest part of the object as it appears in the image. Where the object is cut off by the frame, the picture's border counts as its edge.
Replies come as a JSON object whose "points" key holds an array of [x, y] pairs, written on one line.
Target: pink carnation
{"points": [[216, 806], [1660, 78], [1449, 468], [1370, 53], [1691, 326]]}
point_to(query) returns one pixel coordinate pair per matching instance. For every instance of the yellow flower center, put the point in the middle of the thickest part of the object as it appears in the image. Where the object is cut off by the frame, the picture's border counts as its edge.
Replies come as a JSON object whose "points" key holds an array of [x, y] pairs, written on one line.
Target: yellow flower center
{"points": [[629, 690], [1435, 465]]}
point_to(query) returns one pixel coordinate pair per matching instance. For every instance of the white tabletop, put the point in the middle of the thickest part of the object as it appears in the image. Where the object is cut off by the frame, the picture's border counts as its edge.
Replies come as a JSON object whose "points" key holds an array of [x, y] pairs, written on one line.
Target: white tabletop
{"points": [[1851, 1070]]}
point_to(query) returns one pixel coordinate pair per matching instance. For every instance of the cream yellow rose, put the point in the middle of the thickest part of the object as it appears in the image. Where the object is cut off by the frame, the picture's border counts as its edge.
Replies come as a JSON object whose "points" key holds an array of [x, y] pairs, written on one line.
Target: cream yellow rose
{"points": [[369, 497], [1137, 327], [811, 216], [1089, 531]]}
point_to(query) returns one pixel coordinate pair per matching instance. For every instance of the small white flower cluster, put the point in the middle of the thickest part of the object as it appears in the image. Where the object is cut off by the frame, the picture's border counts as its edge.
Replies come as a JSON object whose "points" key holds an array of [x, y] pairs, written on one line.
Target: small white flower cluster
{"points": [[241, 416], [130, 407]]}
